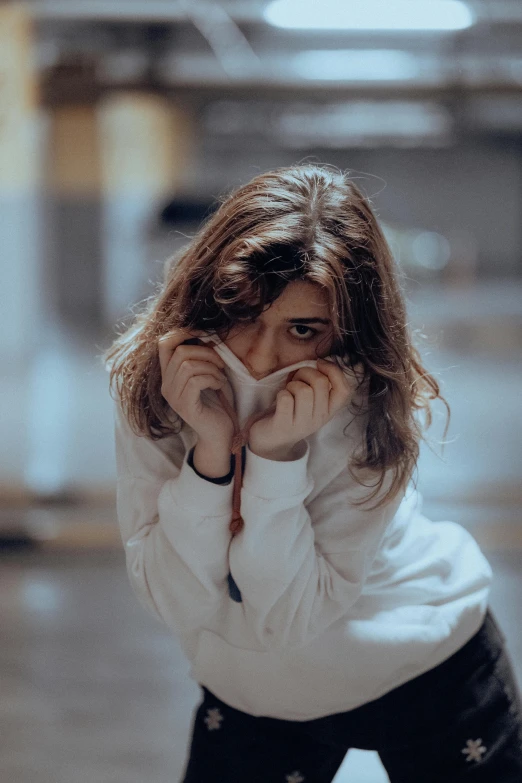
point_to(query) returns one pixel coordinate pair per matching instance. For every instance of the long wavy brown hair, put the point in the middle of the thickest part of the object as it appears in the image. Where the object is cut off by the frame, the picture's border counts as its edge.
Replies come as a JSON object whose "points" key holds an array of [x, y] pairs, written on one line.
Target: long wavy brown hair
{"points": [[304, 222]]}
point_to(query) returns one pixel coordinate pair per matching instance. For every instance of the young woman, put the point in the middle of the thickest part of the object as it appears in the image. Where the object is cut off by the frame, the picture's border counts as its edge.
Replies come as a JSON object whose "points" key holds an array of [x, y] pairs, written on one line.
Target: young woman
{"points": [[269, 409]]}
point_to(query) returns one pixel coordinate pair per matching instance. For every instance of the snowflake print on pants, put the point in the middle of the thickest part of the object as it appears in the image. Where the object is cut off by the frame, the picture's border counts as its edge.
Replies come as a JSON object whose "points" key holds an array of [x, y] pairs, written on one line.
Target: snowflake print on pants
{"points": [[474, 749], [213, 719], [295, 777]]}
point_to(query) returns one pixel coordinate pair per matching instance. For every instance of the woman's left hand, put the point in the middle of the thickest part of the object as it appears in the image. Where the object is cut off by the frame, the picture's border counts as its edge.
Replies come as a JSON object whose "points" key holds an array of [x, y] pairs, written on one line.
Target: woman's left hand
{"points": [[308, 401]]}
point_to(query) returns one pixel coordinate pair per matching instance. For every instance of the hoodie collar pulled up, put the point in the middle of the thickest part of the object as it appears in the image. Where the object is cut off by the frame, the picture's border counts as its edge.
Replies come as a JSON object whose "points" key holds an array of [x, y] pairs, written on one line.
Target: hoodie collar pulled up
{"points": [[252, 400]]}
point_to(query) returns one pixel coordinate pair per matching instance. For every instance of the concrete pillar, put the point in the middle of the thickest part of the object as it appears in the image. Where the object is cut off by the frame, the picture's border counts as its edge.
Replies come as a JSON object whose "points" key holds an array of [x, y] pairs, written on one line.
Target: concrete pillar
{"points": [[74, 209], [146, 152], [70, 260], [20, 230], [19, 182]]}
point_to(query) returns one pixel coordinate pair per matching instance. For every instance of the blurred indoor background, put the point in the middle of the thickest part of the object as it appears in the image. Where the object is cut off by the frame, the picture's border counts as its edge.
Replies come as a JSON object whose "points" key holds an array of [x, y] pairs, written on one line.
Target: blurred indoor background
{"points": [[121, 123]]}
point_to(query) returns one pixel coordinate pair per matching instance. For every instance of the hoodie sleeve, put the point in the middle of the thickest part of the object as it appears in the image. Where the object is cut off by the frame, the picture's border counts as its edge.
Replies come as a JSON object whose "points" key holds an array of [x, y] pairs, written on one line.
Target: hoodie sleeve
{"points": [[174, 527], [301, 567]]}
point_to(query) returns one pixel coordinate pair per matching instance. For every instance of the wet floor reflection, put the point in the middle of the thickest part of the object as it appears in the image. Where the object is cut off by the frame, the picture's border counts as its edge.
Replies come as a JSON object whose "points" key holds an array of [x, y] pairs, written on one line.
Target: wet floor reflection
{"points": [[93, 689]]}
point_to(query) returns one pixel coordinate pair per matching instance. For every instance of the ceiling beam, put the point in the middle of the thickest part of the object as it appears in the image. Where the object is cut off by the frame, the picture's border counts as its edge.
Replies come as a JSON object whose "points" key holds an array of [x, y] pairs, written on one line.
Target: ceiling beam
{"points": [[248, 11]]}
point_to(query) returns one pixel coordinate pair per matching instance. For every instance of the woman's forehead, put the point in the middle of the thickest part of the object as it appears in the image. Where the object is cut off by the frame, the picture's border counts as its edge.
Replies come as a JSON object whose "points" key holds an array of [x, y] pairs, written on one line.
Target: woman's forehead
{"points": [[302, 293]]}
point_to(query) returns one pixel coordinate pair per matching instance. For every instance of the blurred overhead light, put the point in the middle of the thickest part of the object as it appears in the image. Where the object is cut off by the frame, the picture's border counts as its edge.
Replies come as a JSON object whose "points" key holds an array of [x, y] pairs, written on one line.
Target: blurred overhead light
{"points": [[369, 14], [361, 65]]}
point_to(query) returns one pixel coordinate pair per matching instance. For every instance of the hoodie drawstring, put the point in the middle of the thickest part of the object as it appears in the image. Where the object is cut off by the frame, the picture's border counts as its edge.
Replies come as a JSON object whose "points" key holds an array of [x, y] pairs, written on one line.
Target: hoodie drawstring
{"points": [[239, 440]]}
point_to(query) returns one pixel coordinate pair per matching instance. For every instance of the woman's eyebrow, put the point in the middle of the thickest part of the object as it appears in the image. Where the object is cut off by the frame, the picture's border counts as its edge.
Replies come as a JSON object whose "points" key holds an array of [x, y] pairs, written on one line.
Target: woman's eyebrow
{"points": [[325, 321]]}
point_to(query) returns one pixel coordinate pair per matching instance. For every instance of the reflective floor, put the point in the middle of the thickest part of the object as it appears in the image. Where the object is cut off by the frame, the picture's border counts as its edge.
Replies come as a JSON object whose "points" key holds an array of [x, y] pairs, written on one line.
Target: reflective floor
{"points": [[93, 690], [96, 691]]}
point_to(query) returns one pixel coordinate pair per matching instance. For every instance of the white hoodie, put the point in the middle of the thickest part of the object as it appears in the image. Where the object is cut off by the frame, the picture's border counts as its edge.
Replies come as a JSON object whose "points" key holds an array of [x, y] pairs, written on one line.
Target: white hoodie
{"points": [[339, 604]]}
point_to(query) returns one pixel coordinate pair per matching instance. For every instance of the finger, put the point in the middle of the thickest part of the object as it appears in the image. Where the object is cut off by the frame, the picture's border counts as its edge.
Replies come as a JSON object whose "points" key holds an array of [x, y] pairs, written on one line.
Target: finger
{"points": [[284, 411], [177, 377], [194, 385], [186, 359], [321, 386], [318, 381], [181, 353], [303, 399], [168, 343], [343, 383], [190, 367], [307, 374]]}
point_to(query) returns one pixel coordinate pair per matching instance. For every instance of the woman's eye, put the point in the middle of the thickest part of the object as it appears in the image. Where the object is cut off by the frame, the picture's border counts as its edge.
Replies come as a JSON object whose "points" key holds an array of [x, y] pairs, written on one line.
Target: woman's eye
{"points": [[303, 337]]}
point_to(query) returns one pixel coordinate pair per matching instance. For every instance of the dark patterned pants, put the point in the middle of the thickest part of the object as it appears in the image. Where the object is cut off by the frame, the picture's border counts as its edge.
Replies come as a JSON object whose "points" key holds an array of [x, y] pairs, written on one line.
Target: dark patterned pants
{"points": [[461, 721]]}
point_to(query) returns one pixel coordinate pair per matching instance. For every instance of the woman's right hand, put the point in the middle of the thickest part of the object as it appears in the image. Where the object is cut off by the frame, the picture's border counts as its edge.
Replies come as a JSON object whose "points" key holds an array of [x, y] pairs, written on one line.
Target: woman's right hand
{"points": [[186, 370]]}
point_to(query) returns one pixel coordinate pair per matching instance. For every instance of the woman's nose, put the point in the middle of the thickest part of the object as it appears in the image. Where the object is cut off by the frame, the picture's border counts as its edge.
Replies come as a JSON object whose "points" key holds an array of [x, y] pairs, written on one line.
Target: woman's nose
{"points": [[262, 355]]}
